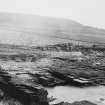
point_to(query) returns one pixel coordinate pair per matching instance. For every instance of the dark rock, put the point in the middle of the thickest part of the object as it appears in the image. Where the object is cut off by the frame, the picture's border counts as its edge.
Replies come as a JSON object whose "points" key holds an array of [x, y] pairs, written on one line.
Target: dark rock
{"points": [[23, 91], [83, 103], [76, 103]]}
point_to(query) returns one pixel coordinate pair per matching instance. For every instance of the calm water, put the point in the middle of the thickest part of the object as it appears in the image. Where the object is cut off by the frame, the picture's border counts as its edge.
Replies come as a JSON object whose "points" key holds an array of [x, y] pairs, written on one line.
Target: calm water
{"points": [[71, 94]]}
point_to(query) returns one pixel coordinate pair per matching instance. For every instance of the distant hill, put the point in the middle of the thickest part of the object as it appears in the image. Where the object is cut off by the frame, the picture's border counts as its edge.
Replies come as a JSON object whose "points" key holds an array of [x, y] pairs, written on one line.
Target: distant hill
{"points": [[24, 29]]}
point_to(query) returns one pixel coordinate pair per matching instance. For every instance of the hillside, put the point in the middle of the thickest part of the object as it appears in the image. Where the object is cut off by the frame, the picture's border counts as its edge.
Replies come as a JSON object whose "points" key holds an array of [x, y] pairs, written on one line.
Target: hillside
{"points": [[23, 29]]}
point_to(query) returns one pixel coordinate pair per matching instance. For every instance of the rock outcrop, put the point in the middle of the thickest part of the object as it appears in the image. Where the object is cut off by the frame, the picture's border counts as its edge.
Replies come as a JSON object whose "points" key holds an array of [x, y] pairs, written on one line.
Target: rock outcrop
{"points": [[20, 90], [76, 103], [23, 76]]}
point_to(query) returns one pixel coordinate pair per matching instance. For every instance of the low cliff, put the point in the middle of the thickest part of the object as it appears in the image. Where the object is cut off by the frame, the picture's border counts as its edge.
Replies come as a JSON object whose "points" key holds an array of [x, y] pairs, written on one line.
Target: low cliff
{"points": [[16, 91]]}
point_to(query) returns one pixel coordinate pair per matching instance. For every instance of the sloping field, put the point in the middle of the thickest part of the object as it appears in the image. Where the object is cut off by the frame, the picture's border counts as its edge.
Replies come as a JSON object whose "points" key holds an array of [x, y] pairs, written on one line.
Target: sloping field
{"points": [[35, 30]]}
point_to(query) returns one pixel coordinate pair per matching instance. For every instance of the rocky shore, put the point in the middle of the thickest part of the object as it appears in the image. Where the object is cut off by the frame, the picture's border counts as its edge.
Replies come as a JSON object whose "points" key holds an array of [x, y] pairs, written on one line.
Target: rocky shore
{"points": [[25, 76], [16, 91]]}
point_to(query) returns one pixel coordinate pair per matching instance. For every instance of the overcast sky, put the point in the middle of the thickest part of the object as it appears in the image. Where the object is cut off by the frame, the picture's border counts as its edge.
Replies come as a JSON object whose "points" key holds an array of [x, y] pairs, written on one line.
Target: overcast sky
{"points": [[88, 12]]}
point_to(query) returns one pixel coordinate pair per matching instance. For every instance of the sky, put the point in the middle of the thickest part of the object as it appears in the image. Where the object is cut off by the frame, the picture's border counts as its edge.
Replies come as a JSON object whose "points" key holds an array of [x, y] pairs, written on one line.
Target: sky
{"points": [[87, 12]]}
